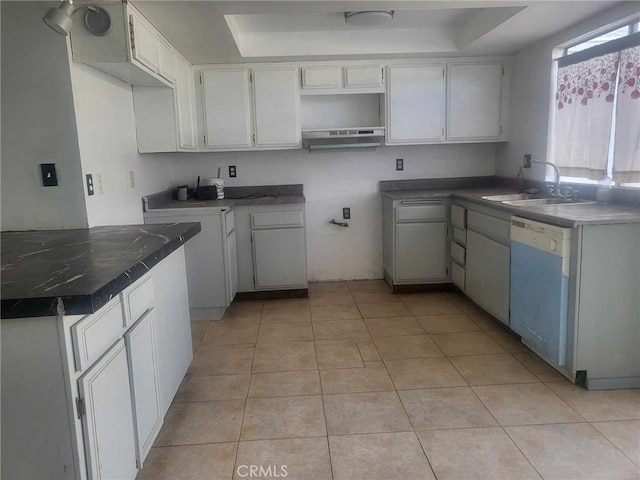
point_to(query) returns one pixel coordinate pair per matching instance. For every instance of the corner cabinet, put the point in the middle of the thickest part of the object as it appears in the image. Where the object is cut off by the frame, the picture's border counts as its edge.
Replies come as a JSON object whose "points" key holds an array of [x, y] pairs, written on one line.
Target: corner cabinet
{"points": [[255, 108], [212, 272]]}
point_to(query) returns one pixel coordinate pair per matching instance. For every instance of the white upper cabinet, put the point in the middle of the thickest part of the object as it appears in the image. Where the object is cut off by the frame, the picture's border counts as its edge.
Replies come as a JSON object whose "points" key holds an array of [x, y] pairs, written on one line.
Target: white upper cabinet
{"points": [[321, 77], [277, 107], [165, 117], [338, 79], [474, 101], [144, 42], [185, 100], [363, 76], [415, 104], [167, 62], [227, 109]]}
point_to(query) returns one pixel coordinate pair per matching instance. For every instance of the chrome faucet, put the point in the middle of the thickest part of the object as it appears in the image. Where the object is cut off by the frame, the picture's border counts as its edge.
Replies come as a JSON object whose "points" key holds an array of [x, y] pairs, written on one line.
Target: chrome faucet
{"points": [[555, 191]]}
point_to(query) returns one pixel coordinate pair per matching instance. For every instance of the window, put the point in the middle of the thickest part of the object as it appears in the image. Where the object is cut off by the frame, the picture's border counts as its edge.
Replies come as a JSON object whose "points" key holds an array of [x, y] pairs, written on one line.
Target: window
{"points": [[597, 109]]}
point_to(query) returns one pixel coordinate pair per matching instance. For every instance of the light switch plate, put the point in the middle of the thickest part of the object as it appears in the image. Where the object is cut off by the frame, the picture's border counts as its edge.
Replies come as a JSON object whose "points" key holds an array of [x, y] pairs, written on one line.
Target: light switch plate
{"points": [[90, 189]]}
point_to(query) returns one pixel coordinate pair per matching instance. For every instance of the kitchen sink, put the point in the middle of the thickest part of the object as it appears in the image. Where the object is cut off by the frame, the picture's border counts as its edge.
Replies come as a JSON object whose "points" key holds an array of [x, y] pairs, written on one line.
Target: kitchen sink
{"points": [[532, 202], [513, 196]]}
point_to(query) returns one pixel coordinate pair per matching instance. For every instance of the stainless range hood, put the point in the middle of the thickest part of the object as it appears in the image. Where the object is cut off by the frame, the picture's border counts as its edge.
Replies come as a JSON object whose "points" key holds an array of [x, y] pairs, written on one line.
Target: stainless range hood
{"points": [[343, 138]]}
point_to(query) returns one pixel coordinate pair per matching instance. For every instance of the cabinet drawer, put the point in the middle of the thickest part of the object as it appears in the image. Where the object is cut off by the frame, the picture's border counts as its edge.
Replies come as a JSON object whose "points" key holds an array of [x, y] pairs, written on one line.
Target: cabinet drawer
{"points": [[492, 226], [458, 254], [94, 334], [458, 275], [458, 217], [460, 236], [277, 219], [229, 221], [138, 299], [321, 77], [409, 213]]}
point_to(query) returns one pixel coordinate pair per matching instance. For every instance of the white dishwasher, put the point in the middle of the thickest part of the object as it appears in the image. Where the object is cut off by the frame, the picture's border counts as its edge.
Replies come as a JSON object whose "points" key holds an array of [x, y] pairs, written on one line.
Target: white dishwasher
{"points": [[540, 256]]}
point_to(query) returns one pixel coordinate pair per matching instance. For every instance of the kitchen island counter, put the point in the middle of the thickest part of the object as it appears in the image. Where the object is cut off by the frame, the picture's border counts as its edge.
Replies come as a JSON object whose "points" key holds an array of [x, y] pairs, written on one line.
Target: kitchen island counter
{"points": [[75, 272]]}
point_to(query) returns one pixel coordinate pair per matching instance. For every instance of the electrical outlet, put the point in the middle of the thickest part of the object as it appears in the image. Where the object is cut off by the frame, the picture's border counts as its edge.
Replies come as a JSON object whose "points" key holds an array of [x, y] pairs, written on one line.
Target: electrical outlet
{"points": [[98, 184], [232, 171], [399, 164], [49, 177], [132, 180], [90, 190], [346, 213], [527, 160]]}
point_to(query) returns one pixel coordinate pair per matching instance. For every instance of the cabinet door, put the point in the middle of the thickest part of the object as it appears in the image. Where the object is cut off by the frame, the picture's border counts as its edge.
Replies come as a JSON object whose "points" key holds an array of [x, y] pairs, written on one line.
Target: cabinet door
{"points": [[496, 289], [474, 265], [185, 99], [144, 46], [227, 111], [108, 419], [232, 281], [167, 62], [141, 352], [321, 77], [363, 76], [172, 324], [488, 274], [416, 104], [421, 252], [279, 258], [277, 107], [473, 100]]}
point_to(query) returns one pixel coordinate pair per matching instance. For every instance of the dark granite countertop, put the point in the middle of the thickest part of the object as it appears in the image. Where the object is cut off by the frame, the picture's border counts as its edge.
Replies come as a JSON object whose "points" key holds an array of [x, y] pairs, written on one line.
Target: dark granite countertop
{"points": [[75, 272], [234, 196], [563, 215]]}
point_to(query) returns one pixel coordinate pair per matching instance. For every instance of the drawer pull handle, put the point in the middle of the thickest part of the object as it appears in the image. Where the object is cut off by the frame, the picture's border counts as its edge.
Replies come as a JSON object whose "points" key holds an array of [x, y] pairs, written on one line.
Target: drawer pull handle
{"points": [[340, 224], [421, 202]]}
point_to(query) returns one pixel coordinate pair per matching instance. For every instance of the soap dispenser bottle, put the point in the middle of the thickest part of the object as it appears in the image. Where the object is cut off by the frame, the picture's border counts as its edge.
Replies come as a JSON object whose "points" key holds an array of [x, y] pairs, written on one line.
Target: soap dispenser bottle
{"points": [[521, 180]]}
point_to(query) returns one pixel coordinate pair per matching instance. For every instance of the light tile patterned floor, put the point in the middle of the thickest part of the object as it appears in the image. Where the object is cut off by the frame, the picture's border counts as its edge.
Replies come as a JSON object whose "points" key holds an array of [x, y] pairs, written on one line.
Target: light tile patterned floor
{"points": [[355, 383]]}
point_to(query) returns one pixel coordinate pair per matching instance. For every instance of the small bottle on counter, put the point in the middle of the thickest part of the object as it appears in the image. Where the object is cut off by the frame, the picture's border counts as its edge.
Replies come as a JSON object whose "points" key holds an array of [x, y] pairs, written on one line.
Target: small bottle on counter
{"points": [[521, 180]]}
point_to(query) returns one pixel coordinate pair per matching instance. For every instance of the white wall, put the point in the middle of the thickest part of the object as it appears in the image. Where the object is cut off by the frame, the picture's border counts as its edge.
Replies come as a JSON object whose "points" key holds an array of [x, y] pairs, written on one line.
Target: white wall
{"points": [[531, 90], [107, 142], [335, 180], [38, 124]]}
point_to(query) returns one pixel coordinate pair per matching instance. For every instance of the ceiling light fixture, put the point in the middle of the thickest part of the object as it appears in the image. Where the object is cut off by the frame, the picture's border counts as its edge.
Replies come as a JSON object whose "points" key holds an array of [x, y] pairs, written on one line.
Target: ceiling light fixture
{"points": [[97, 19], [369, 18]]}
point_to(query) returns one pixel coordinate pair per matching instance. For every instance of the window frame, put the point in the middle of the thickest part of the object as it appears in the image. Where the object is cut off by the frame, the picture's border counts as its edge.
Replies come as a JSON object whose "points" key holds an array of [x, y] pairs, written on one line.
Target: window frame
{"points": [[560, 57]]}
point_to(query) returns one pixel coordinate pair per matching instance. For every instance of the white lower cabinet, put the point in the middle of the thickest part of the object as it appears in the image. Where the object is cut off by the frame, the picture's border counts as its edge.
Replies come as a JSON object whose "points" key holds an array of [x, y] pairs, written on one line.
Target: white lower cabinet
{"points": [[108, 419], [421, 252], [232, 256], [271, 243], [279, 258], [210, 257], [488, 269], [415, 241], [143, 370]]}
